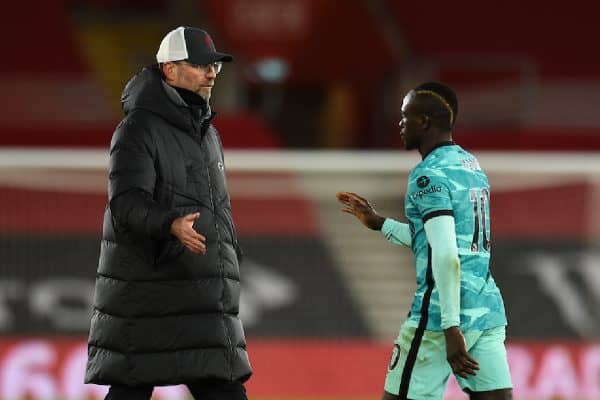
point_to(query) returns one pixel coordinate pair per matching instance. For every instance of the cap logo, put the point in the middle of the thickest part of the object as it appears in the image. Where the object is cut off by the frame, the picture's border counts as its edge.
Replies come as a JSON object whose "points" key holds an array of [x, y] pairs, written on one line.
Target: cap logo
{"points": [[208, 41]]}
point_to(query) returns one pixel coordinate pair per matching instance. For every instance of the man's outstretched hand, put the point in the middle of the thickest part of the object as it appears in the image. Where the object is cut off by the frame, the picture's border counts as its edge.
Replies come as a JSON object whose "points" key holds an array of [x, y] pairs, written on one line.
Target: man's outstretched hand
{"points": [[182, 228], [361, 209], [459, 359]]}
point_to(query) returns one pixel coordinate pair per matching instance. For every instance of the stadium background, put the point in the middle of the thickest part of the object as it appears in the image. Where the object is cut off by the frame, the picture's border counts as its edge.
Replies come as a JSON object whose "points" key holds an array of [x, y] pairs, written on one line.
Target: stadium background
{"points": [[310, 107]]}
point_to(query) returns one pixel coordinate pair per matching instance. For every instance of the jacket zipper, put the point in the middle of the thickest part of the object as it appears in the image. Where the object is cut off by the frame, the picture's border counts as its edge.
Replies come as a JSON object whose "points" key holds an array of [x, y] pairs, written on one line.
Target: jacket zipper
{"points": [[222, 267]]}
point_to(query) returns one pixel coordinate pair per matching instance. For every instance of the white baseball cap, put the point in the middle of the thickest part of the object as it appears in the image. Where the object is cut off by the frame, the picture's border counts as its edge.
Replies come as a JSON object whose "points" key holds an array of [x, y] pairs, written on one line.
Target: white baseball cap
{"points": [[191, 44]]}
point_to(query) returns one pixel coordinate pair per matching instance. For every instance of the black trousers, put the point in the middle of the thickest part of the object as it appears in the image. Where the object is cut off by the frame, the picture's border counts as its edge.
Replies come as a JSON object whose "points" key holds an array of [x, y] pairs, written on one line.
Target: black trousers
{"points": [[209, 389]]}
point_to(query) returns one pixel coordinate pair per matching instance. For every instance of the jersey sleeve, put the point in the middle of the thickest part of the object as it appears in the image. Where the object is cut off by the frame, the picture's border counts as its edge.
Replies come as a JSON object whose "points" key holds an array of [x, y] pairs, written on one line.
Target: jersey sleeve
{"points": [[445, 266], [429, 192], [396, 232]]}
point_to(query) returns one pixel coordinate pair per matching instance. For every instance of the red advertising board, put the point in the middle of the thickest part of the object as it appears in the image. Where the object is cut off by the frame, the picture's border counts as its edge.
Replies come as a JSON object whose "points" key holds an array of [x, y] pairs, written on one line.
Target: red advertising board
{"points": [[39, 368]]}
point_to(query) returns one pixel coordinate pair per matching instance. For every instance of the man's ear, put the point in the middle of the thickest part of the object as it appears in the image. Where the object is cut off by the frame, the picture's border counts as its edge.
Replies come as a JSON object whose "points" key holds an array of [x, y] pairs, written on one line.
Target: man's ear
{"points": [[168, 70], [424, 121]]}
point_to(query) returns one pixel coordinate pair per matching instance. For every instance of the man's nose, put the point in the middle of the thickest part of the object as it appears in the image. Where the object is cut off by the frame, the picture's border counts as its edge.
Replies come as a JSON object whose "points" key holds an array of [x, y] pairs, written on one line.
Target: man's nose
{"points": [[211, 73]]}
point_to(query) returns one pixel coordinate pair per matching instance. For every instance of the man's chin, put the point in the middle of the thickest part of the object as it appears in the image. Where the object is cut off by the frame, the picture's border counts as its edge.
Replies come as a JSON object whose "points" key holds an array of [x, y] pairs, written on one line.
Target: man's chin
{"points": [[410, 146], [205, 93], [405, 144]]}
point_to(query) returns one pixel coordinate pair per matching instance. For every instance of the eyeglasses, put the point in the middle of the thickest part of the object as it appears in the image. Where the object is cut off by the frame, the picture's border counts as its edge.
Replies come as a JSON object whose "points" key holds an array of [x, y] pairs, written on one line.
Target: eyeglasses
{"points": [[205, 67]]}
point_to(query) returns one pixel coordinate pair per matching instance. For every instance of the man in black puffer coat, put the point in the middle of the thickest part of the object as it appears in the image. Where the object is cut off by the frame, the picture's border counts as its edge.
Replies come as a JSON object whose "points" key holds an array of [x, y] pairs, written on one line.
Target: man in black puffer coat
{"points": [[168, 283]]}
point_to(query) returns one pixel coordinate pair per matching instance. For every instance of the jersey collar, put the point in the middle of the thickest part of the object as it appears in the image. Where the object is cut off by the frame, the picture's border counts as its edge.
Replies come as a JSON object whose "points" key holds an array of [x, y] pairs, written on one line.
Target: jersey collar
{"points": [[441, 144]]}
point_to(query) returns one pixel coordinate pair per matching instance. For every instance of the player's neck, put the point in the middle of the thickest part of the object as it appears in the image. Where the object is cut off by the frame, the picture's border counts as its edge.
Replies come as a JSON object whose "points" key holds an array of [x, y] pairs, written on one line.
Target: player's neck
{"points": [[433, 141]]}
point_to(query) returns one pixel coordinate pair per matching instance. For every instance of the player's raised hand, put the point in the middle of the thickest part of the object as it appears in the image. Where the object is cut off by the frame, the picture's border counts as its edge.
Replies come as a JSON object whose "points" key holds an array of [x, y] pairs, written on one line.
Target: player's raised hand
{"points": [[459, 359], [182, 228], [361, 209]]}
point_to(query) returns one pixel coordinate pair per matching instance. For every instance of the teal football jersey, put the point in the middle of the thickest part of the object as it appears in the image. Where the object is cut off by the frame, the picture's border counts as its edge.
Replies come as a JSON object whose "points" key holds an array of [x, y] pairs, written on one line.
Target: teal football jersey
{"points": [[449, 181]]}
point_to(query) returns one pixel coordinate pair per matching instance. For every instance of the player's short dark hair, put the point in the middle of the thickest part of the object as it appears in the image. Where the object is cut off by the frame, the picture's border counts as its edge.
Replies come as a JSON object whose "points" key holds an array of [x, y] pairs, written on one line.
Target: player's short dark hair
{"points": [[439, 102]]}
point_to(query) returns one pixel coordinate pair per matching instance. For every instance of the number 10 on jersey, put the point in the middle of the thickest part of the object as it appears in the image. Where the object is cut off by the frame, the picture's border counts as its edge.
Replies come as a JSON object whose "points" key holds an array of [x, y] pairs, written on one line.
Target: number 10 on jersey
{"points": [[480, 198]]}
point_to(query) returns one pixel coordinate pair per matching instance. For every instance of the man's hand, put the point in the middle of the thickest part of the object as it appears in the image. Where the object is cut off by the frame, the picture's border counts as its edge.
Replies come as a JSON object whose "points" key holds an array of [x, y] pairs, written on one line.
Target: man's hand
{"points": [[461, 362], [361, 209], [182, 228]]}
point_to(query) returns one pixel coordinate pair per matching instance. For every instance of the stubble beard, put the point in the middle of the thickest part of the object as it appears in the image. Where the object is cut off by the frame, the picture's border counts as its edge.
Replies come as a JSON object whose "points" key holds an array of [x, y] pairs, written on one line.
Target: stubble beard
{"points": [[204, 93]]}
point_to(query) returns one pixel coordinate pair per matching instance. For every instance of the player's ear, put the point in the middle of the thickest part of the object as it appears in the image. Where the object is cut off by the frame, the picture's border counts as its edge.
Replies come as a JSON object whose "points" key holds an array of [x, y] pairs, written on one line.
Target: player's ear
{"points": [[424, 121]]}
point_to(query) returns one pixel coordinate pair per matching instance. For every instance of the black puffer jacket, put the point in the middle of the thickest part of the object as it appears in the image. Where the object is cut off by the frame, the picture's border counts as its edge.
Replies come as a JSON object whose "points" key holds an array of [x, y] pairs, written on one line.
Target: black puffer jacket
{"points": [[162, 314]]}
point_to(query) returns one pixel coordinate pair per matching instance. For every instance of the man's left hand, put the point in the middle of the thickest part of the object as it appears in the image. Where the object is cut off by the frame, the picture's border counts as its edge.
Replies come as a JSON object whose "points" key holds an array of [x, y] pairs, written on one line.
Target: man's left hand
{"points": [[459, 359]]}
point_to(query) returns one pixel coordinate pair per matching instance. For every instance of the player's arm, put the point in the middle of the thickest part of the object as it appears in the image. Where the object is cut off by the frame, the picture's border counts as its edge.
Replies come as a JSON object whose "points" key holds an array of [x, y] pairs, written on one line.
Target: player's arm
{"points": [[445, 264], [394, 231]]}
